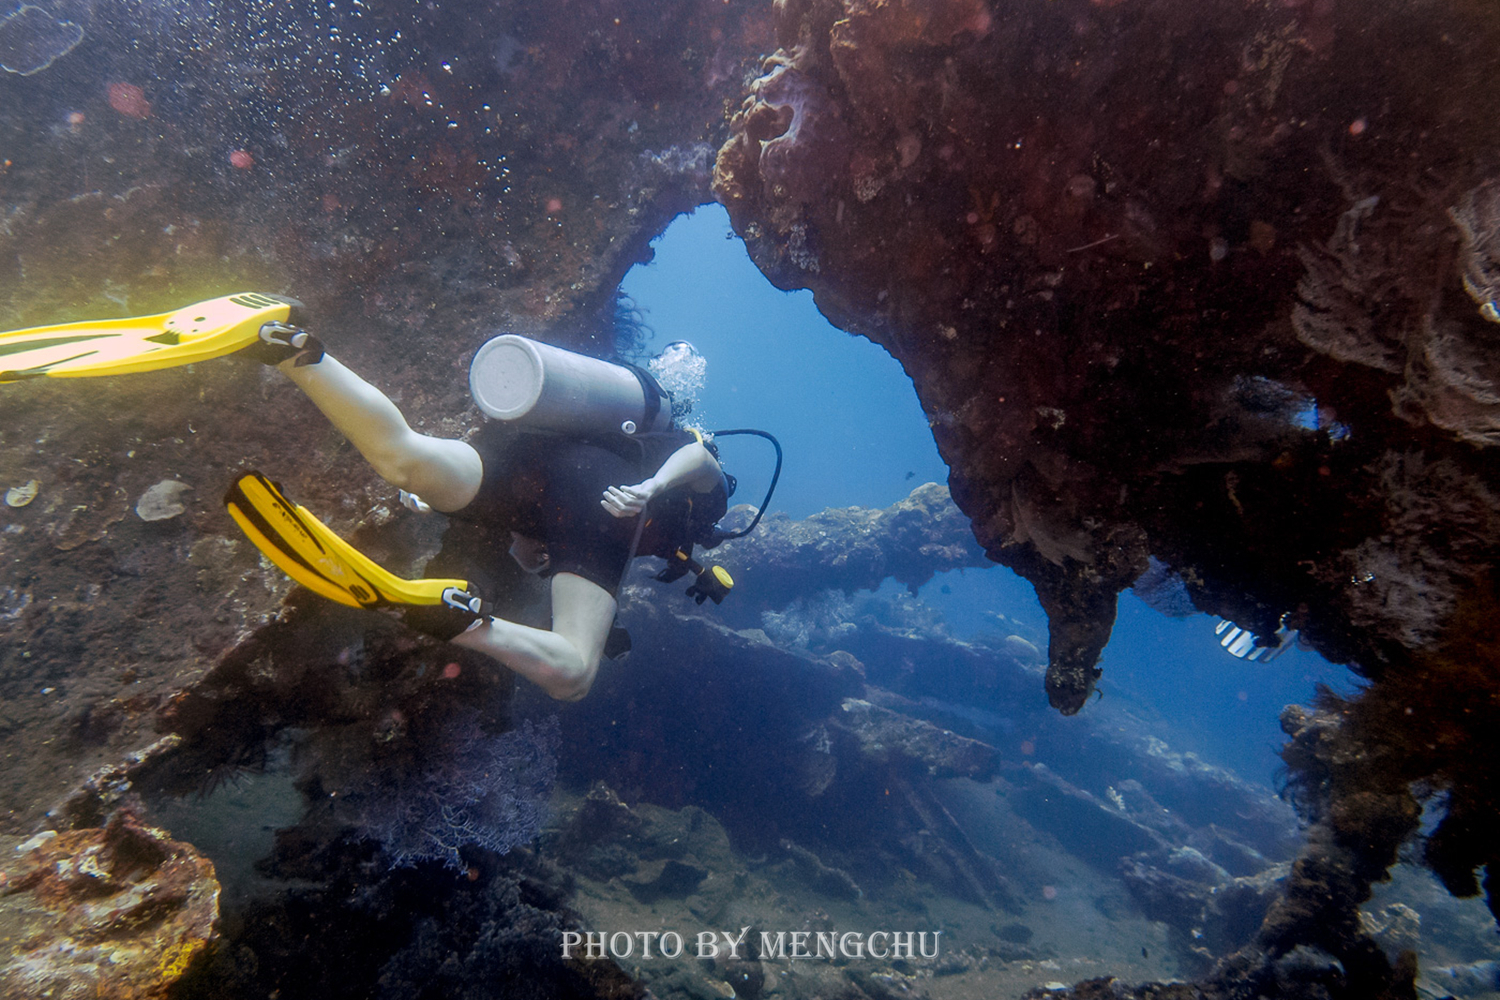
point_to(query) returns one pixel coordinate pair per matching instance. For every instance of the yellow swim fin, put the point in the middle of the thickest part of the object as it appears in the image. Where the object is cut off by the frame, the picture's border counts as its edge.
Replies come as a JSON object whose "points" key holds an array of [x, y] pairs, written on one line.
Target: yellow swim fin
{"points": [[197, 332], [310, 553]]}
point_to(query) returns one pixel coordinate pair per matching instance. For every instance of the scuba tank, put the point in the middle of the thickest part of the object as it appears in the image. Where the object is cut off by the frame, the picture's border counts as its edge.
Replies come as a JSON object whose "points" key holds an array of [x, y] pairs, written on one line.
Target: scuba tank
{"points": [[549, 388]]}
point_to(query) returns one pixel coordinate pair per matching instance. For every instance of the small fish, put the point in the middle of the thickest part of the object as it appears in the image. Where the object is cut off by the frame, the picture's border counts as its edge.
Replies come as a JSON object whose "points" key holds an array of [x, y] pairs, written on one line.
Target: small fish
{"points": [[1144, 952], [911, 475]]}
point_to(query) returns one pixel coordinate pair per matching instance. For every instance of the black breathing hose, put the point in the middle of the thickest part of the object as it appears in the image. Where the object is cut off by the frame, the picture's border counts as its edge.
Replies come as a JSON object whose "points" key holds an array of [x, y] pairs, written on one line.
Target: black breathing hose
{"points": [[771, 489]]}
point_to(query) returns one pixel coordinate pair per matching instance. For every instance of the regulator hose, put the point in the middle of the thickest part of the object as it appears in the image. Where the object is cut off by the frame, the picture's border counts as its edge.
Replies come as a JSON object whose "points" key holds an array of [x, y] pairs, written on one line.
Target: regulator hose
{"points": [[726, 536]]}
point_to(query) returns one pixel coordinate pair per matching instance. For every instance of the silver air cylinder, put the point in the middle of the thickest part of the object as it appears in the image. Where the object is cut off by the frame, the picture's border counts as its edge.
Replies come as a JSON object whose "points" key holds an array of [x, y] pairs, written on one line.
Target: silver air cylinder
{"points": [[546, 387]]}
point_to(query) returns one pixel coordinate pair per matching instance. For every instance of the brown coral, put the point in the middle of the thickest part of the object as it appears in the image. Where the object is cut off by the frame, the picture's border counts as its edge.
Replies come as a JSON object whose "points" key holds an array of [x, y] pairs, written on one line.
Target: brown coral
{"points": [[1124, 251], [1375, 295]]}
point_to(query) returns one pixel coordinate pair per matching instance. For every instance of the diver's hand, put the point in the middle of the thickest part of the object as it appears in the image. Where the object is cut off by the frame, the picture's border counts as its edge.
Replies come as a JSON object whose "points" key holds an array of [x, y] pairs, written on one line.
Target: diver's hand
{"points": [[628, 501]]}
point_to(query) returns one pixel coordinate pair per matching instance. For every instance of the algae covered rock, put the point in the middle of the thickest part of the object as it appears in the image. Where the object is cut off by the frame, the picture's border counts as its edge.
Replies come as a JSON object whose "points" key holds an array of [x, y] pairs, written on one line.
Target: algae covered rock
{"points": [[117, 912]]}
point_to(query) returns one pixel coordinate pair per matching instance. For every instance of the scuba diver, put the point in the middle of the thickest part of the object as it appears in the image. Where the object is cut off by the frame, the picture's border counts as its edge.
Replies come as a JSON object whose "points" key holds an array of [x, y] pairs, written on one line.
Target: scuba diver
{"points": [[580, 461], [567, 496]]}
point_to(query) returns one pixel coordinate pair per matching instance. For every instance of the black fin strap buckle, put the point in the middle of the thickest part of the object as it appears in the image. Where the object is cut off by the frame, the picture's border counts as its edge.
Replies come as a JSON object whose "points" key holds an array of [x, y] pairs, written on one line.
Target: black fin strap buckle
{"points": [[297, 342], [463, 600]]}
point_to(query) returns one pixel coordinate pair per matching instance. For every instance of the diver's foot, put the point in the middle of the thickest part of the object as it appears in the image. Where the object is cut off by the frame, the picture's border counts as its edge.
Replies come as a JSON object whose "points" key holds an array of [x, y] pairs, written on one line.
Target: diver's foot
{"points": [[281, 342]]}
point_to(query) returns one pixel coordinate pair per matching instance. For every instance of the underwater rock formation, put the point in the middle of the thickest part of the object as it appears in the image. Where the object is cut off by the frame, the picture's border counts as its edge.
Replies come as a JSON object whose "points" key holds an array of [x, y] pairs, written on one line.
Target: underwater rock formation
{"points": [[1213, 283], [117, 912], [848, 548], [1210, 282], [1044, 214]]}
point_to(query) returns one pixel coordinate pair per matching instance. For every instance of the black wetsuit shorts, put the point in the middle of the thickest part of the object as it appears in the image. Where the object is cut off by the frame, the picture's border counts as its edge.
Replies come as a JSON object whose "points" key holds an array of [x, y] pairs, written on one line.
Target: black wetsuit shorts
{"points": [[549, 487]]}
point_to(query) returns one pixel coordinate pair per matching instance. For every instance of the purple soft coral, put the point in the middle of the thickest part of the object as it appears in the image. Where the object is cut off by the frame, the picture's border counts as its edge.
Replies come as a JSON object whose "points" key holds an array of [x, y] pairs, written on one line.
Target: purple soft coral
{"points": [[467, 788]]}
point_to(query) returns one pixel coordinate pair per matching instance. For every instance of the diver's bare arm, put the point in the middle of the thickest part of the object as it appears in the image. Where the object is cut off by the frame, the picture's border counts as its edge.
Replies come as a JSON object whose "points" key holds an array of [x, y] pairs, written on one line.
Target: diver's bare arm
{"points": [[691, 465], [445, 473], [564, 661]]}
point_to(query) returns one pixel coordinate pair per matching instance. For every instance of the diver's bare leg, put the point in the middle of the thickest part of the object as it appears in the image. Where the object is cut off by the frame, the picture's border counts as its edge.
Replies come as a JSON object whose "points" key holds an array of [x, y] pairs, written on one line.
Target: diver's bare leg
{"points": [[444, 473], [564, 661]]}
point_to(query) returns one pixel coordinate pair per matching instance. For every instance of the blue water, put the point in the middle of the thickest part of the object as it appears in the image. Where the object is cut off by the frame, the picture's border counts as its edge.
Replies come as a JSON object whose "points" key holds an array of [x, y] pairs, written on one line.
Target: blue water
{"points": [[843, 409], [1225, 709], [854, 434]]}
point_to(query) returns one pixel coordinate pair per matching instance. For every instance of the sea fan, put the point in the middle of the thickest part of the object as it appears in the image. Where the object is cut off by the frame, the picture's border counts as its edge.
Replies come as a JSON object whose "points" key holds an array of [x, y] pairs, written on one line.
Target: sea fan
{"points": [[1477, 216], [463, 788]]}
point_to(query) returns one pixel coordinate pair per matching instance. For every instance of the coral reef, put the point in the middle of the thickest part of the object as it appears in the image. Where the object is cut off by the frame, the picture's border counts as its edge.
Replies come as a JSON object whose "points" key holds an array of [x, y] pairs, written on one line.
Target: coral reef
{"points": [[462, 789], [1207, 283], [1364, 768], [360, 722], [848, 549], [1190, 287], [1025, 257], [119, 912]]}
